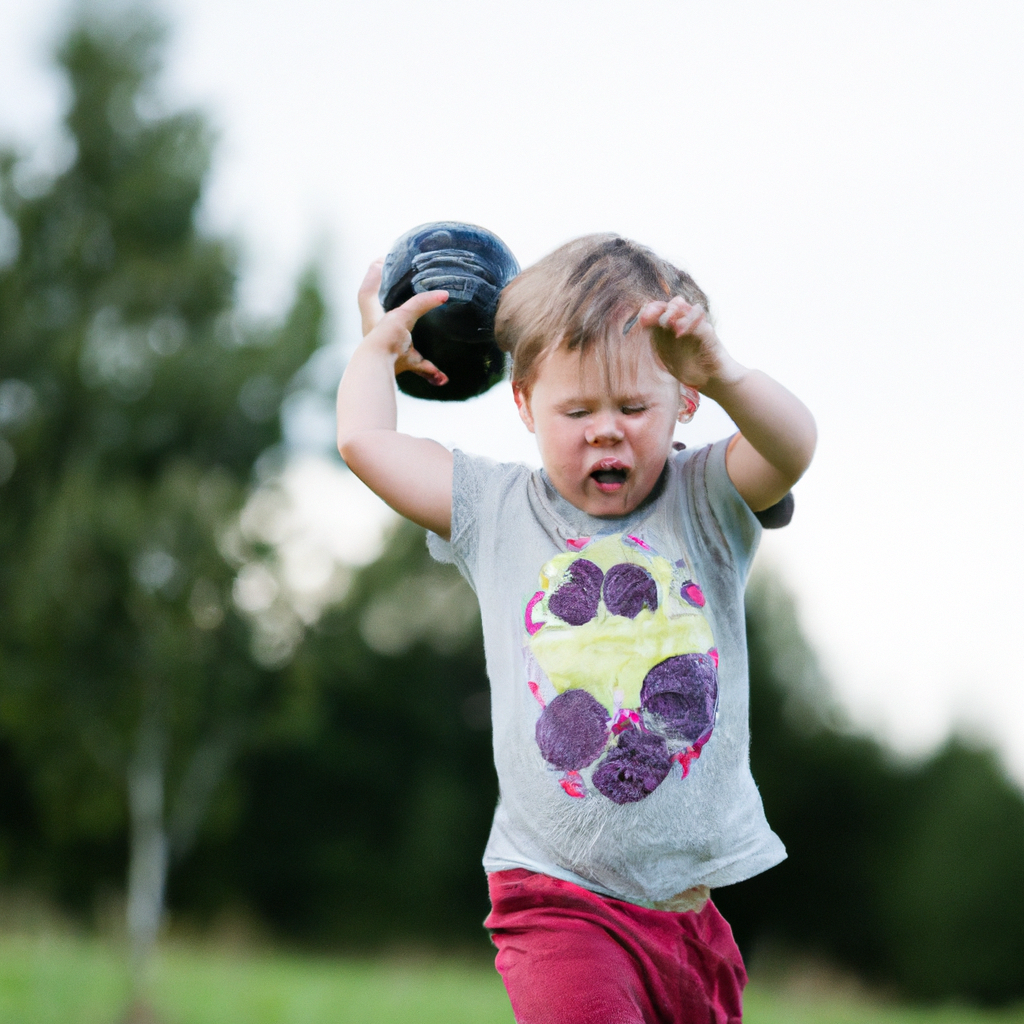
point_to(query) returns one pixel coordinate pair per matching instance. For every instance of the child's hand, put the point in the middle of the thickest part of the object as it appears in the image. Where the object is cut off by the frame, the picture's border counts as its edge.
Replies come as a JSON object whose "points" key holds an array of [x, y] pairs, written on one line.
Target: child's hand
{"points": [[687, 343], [777, 433], [413, 475], [392, 330]]}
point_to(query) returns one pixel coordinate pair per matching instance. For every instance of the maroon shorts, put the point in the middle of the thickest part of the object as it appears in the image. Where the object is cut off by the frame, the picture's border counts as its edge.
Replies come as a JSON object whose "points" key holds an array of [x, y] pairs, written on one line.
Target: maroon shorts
{"points": [[571, 956]]}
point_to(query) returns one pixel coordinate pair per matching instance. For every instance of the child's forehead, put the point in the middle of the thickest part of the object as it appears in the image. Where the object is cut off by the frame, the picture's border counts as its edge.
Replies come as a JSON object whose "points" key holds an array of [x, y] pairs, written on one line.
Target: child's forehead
{"points": [[626, 368]]}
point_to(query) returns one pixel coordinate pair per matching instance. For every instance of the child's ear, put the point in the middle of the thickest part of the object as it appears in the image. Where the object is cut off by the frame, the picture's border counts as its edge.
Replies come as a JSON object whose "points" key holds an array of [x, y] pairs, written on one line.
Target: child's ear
{"points": [[689, 399], [523, 405]]}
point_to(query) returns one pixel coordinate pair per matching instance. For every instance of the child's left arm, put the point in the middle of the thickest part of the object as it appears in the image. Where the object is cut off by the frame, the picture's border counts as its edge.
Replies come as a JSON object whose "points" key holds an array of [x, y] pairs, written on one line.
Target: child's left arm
{"points": [[777, 432]]}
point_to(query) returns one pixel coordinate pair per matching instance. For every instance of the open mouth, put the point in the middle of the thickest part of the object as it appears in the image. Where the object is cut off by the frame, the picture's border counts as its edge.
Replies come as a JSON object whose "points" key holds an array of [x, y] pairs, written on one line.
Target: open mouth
{"points": [[609, 478]]}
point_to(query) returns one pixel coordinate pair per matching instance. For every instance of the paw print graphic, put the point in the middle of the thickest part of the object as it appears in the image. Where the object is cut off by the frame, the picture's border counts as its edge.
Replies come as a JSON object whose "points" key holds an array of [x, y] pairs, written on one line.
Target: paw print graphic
{"points": [[626, 667]]}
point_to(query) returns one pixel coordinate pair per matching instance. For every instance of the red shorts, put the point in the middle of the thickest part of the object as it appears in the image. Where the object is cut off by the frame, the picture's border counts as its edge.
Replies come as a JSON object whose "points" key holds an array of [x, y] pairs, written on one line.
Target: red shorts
{"points": [[571, 956]]}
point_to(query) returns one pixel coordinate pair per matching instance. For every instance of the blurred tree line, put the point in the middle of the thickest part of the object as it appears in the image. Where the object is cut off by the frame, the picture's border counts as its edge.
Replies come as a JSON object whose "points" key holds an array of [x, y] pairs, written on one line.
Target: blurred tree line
{"points": [[135, 405], [335, 778]]}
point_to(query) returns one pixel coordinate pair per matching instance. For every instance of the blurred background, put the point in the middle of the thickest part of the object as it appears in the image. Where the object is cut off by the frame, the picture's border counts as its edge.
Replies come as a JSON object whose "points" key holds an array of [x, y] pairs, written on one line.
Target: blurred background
{"points": [[234, 687]]}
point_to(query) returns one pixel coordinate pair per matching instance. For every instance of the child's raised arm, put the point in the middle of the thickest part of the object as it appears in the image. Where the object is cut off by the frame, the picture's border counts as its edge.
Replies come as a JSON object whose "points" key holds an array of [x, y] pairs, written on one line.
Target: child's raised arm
{"points": [[413, 475], [777, 432]]}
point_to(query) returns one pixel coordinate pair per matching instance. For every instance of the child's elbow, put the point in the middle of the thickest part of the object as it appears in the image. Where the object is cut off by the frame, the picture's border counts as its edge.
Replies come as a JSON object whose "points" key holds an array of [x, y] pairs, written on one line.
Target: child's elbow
{"points": [[351, 447], [808, 443], [794, 456], [798, 461]]}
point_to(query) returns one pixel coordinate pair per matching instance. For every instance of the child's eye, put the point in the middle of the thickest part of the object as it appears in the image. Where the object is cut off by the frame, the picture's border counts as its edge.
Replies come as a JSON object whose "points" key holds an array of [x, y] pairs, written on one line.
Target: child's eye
{"points": [[576, 414], [633, 410]]}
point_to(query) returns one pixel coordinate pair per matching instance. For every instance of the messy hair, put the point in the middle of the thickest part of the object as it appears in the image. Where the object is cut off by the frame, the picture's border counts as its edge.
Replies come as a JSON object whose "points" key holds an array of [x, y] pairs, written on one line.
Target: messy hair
{"points": [[580, 296]]}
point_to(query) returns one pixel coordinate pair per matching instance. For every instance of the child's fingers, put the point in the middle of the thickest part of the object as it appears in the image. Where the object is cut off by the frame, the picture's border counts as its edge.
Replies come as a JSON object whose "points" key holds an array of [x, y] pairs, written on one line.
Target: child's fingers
{"points": [[412, 360], [369, 304], [674, 309], [682, 320], [412, 309], [651, 313], [403, 319]]}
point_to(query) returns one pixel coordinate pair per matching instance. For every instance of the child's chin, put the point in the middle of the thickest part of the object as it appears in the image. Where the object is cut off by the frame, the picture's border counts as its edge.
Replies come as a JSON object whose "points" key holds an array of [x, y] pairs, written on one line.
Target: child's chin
{"points": [[616, 502]]}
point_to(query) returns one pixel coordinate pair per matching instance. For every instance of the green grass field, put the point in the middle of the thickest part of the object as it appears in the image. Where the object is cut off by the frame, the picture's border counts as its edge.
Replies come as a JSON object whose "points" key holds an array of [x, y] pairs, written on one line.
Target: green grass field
{"points": [[58, 979]]}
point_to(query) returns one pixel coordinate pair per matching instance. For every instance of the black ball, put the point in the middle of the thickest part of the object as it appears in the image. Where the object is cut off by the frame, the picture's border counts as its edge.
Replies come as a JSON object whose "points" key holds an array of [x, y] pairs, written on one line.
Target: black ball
{"points": [[472, 265], [778, 515]]}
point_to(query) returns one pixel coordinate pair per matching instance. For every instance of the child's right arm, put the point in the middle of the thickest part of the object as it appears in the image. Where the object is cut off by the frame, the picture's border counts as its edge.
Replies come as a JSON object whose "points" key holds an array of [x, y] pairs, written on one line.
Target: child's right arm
{"points": [[777, 432], [413, 475]]}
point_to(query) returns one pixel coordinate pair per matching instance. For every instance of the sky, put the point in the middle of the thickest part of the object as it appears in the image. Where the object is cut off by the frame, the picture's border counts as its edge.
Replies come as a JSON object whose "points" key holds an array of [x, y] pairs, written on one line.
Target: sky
{"points": [[844, 181]]}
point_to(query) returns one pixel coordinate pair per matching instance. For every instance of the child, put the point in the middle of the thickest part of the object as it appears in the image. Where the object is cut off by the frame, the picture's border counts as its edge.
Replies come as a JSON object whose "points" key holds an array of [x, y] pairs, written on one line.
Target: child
{"points": [[611, 592]]}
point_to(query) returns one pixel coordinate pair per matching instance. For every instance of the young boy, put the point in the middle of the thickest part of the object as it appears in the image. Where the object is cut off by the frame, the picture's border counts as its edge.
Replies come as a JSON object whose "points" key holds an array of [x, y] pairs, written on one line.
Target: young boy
{"points": [[611, 591]]}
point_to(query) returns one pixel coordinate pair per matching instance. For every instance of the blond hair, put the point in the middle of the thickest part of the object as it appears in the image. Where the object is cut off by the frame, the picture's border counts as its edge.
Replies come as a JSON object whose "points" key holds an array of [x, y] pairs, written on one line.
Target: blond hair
{"points": [[580, 296]]}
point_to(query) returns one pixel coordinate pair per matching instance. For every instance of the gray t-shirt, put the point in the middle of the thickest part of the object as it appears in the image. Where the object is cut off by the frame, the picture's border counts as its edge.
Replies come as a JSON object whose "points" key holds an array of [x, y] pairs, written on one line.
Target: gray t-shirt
{"points": [[616, 651]]}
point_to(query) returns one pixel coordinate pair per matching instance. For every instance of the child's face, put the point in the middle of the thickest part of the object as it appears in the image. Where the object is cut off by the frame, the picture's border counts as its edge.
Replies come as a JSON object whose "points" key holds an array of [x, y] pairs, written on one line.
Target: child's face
{"points": [[604, 434]]}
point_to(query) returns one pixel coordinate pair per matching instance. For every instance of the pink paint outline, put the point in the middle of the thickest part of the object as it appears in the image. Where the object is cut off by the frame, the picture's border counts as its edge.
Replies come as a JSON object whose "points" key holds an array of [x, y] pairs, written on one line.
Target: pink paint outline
{"points": [[533, 628], [686, 757], [572, 783], [626, 718]]}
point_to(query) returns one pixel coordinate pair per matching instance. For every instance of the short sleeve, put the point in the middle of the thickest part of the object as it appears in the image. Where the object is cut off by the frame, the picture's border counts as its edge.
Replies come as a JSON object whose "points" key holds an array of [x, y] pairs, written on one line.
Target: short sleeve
{"points": [[722, 514], [470, 478]]}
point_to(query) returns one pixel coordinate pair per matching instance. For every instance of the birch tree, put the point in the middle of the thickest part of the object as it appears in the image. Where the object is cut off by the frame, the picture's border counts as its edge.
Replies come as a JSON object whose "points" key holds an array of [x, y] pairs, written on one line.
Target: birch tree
{"points": [[134, 405]]}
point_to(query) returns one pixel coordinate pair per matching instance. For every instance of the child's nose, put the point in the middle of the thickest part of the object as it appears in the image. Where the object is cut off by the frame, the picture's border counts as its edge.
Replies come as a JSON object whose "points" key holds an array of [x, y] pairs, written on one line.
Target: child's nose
{"points": [[604, 429]]}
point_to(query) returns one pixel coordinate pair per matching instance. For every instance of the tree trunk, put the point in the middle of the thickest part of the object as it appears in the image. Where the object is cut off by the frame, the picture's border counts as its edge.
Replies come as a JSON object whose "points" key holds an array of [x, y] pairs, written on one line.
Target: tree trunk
{"points": [[206, 769], [147, 864]]}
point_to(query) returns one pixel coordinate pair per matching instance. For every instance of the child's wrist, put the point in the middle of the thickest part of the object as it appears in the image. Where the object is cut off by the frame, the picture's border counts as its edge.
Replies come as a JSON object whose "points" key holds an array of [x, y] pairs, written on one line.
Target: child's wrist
{"points": [[729, 376], [380, 348]]}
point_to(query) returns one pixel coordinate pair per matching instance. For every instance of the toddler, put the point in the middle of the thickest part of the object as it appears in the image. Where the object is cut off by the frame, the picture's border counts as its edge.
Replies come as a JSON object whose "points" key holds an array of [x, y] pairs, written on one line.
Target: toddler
{"points": [[611, 586]]}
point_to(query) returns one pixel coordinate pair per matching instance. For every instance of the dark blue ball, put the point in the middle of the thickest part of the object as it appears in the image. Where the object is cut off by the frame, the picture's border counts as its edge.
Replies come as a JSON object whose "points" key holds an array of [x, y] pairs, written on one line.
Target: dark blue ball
{"points": [[472, 265]]}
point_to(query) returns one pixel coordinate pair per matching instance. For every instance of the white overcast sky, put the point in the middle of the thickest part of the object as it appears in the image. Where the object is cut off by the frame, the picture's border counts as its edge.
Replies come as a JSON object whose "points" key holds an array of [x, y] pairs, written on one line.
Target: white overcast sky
{"points": [[844, 180]]}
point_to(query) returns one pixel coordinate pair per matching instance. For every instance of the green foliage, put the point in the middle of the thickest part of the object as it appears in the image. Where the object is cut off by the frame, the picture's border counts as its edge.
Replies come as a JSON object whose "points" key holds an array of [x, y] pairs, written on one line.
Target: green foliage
{"points": [[134, 404], [20, 839], [370, 827], [912, 875], [952, 902]]}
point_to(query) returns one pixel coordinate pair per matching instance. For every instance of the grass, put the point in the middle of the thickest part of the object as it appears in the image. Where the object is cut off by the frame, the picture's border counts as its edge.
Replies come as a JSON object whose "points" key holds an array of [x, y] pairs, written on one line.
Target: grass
{"points": [[768, 1006], [62, 979], [59, 979]]}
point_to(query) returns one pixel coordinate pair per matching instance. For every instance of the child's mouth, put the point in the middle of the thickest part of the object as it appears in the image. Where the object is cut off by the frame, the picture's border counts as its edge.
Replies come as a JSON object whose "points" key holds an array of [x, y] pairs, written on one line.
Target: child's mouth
{"points": [[609, 480]]}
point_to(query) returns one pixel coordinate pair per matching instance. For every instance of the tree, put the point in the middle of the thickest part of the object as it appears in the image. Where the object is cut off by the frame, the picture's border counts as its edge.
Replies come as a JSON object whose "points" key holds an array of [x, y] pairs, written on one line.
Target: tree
{"points": [[368, 828], [912, 875], [134, 405]]}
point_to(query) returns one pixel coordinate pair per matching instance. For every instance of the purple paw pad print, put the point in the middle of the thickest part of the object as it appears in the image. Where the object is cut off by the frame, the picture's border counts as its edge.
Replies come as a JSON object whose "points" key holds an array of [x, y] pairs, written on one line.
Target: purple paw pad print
{"points": [[635, 768], [576, 601], [628, 588], [572, 730], [682, 693], [621, 635]]}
